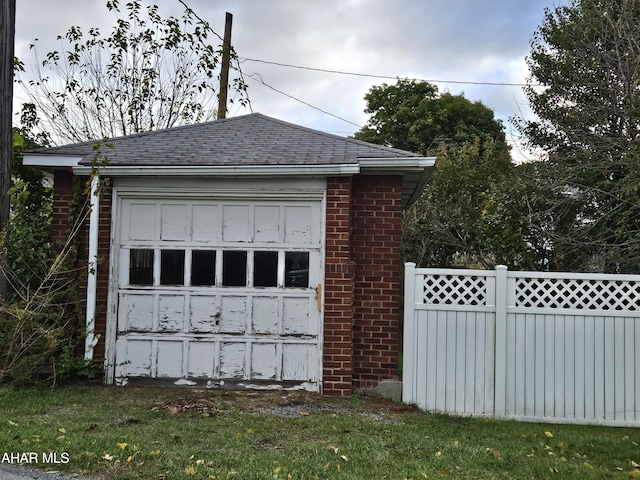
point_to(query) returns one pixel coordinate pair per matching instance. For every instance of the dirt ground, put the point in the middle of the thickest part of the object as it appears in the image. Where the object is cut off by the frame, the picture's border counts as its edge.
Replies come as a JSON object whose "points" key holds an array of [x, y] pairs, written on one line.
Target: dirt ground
{"points": [[284, 404]]}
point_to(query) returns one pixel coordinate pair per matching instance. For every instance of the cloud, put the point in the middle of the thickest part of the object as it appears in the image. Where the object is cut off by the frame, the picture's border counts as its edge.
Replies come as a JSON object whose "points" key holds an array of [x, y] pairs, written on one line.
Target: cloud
{"points": [[479, 41]]}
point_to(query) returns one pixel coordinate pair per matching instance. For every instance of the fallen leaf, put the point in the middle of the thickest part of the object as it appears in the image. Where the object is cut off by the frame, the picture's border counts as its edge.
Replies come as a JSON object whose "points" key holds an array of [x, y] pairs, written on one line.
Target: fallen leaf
{"points": [[14, 424], [62, 430], [122, 445], [302, 413], [277, 469], [130, 459], [438, 454], [237, 435], [443, 473], [344, 457], [549, 434], [107, 457], [249, 430], [155, 452], [588, 465], [190, 470], [496, 453], [335, 449]]}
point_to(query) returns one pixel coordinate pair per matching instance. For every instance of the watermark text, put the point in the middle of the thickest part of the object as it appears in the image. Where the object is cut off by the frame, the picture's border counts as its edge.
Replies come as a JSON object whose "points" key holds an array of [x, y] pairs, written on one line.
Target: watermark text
{"points": [[35, 457]]}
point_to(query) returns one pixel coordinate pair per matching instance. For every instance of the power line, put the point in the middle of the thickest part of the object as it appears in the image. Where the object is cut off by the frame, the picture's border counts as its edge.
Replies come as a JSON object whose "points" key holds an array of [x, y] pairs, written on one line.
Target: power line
{"points": [[385, 77], [204, 22], [258, 78]]}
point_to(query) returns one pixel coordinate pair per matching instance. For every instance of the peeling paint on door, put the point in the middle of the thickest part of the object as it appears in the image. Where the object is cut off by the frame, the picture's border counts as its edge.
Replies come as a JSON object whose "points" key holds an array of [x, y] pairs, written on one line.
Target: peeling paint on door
{"points": [[264, 361], [256, 329], [232, 360], [204, 314], [233, 314], [171, 313]]}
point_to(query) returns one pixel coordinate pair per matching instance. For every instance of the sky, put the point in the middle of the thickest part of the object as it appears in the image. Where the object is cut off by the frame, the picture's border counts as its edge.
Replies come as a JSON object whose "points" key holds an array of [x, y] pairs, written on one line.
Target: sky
{"points": [[462, 46]]}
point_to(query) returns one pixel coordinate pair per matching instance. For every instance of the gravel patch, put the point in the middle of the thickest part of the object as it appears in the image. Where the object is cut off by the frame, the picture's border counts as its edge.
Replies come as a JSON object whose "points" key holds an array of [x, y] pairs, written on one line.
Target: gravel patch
{"points": [[10, 472]]}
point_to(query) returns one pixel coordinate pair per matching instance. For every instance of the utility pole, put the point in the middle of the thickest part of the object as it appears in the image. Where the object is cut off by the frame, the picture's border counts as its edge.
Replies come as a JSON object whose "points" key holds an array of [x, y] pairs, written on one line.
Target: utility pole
{"points": [[224, 71], [7, 43]]}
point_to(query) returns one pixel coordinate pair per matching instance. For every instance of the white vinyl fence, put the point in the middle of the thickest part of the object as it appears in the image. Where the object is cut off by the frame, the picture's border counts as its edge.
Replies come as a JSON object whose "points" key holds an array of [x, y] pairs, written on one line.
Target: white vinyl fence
{"points": [[552, 347]]}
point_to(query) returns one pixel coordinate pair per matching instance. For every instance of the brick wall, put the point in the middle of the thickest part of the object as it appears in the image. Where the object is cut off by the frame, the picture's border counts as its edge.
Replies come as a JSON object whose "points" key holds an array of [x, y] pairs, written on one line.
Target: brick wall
{"points": [[376, 251], [338, 291], [362, 282], [62, 206], [102, 287]]}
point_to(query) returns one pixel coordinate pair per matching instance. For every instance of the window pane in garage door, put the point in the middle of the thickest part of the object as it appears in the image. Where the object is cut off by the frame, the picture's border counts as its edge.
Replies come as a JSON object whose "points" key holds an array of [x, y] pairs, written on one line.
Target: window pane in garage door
{"points": [[172, 267], [203, 268], [234, 268], [265, 269], [141, 267]]}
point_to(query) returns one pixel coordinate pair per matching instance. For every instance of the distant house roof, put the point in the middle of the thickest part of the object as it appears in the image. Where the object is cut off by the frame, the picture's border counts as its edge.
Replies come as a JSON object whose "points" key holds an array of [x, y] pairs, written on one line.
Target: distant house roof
{"points": [[239, 145]]}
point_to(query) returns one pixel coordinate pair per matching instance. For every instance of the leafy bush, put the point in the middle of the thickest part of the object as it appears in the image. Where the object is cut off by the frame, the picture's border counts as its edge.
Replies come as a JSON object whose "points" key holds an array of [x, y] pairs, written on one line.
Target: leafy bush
{"points": [[41, 319], [40, 329]]}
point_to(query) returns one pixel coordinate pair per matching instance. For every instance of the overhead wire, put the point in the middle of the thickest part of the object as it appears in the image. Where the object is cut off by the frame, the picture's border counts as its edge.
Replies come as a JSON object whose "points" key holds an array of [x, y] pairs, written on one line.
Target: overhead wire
{"points": [[384, 77], [234, 55], [258, 77]]}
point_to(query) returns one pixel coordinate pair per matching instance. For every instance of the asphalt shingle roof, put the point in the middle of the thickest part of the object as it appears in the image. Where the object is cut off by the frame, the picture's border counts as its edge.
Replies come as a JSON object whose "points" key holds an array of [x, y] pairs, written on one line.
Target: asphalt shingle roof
{"points": [[248, 140]]}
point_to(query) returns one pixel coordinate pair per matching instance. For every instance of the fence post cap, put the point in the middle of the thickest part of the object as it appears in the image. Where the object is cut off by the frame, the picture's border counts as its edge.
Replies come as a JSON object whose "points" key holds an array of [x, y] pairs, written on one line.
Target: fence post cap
{"points": [[409, 264], [501, 267]]}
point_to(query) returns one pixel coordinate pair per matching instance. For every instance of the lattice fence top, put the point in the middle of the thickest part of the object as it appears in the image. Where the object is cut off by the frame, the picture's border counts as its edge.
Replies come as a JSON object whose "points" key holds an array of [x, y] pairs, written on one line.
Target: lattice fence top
{"points": [[454, 290], [577, 294]]}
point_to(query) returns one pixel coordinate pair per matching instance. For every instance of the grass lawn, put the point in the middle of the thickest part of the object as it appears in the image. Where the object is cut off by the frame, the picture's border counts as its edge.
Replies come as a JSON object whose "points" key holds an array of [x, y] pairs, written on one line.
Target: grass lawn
{"points": [[130, 433]]}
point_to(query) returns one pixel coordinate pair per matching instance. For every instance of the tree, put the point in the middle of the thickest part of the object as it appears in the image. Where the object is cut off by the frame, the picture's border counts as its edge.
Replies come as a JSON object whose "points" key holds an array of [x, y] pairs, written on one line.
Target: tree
{"points": [[410, 115], [443, 228], [521, 216], [29, 229], [585, 90], [149, 73], [7, 42]]}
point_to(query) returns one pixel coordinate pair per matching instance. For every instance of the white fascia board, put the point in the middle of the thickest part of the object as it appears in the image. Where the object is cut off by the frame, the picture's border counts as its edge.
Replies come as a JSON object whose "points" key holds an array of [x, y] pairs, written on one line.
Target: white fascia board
{"points": [[50, 161], [398, 163], [241, 171]]}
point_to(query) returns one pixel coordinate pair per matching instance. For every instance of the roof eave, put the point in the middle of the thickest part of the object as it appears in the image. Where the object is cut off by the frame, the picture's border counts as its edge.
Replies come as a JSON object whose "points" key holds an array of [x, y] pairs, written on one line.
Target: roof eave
{"points": [[226, 170], [416, 173], [51, 162], [415, 170]]}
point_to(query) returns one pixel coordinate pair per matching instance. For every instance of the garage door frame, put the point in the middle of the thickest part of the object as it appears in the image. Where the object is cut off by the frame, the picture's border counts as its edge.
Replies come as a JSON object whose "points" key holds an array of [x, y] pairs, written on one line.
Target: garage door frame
{"points": [[311, 189]]}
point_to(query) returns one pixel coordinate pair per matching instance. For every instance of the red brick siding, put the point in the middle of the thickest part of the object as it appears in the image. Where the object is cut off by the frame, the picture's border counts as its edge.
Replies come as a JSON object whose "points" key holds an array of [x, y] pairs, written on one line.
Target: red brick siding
{"points": [[338, 291], [376, 250], [102, 287], [62, 198], [62, 181]]}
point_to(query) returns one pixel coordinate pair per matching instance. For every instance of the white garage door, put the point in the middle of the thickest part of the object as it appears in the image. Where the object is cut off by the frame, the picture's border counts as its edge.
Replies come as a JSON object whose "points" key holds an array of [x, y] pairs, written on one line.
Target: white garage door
{"points": [[219, 293]]}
